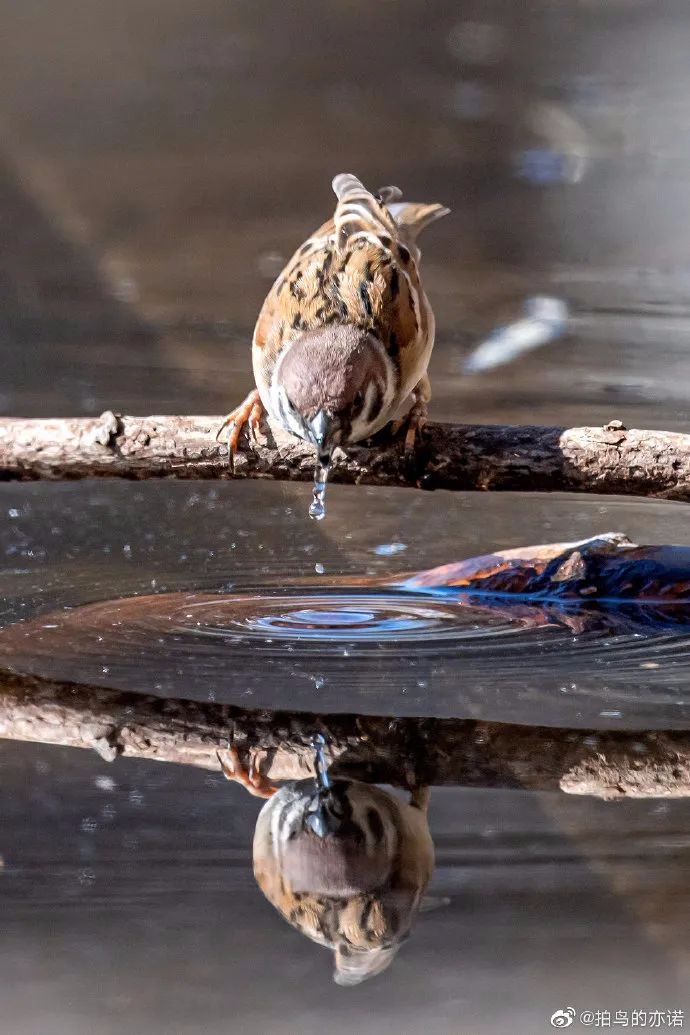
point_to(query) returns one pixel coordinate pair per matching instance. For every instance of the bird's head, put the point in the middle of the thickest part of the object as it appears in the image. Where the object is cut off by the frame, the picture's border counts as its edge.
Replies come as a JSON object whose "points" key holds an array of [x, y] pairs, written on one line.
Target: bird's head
{"points": [[333, 386], [337, 840]]}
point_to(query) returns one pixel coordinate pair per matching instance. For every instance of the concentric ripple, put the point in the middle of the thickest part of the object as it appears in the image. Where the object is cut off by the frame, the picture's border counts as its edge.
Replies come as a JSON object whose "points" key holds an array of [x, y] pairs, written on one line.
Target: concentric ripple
{"points": [[376, 649], [330, 618]]}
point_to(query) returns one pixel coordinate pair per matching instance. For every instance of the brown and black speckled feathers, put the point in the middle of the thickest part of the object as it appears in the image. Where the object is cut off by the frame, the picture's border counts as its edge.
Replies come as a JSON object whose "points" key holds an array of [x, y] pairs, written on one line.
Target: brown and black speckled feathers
{"points": [[359, 214], [360, 268], [364, 926]]}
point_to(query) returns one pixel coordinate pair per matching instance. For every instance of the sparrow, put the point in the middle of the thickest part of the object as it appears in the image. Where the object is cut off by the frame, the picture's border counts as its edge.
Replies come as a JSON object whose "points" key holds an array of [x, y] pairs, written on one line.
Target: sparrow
{"points": [[346, 863], [343, 340]]}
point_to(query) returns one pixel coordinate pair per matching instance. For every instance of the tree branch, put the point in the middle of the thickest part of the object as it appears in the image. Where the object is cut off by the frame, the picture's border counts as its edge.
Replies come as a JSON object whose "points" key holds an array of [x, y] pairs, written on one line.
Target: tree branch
{"points": [[487, 457], [403, 751]]}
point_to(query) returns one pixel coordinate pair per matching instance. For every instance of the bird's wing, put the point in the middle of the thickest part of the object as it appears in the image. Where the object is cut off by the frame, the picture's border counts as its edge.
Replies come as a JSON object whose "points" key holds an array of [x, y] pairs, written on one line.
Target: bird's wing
{"points": [[359, 268], [412, 217]]}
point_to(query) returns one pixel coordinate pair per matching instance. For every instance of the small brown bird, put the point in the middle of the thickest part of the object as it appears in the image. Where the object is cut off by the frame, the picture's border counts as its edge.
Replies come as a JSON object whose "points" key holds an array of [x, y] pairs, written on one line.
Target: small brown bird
{"points": [[347, 865], [344, 862], [344, 338]]}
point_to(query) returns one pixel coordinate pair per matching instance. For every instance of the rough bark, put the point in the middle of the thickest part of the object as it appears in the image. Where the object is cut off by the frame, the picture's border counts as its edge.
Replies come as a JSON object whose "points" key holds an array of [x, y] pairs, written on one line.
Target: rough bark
{"points": [[403, 751], [487, 457]]}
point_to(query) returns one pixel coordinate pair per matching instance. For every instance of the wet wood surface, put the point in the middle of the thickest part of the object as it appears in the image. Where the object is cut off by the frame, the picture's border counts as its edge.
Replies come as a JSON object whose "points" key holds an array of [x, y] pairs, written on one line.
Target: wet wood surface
{"points": [[407, 752], [607, 460]]}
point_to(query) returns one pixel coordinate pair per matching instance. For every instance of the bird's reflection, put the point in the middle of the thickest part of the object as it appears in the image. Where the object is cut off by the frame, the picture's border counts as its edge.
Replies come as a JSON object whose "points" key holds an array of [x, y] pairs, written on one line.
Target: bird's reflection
{"points": [[344, 862]]}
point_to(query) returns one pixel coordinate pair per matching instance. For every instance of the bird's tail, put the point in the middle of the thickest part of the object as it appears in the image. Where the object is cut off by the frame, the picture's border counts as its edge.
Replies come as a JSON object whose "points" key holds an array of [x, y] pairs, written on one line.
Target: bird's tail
{"points": [[359, 212]]}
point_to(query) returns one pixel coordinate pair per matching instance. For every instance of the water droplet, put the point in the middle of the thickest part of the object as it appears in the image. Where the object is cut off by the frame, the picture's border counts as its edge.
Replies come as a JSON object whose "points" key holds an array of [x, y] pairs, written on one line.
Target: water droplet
{"points": [[317, 510], [389, 549]]}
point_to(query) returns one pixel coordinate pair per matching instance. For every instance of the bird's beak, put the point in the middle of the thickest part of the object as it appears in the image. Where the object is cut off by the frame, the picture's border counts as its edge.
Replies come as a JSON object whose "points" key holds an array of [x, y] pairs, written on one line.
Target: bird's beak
{"points": [[318, 821], [319, 429], [325, 815], [320, 818], [322, 431]]}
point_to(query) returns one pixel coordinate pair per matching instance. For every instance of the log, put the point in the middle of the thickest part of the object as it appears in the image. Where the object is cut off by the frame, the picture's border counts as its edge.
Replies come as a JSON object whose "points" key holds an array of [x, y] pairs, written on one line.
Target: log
{"points": [[407, 752], [608, 460]]}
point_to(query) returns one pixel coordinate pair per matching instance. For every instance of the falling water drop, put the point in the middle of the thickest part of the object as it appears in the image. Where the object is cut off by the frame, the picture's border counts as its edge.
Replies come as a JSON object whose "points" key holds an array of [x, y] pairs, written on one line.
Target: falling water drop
{"points": [[317, 510]]}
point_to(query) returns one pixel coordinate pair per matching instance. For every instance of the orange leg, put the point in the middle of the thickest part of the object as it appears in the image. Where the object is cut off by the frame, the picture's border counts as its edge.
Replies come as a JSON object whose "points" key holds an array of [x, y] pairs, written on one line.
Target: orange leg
{"points": [[255, 782], [416, 418], [419, 798], [248, 412]]}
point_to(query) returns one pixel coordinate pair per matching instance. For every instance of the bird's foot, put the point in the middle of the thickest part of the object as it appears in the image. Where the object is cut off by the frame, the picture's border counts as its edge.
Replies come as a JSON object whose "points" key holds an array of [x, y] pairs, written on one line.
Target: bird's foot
{"points": [[420, 797], [248, 412], [413, 422], [254, 781]]}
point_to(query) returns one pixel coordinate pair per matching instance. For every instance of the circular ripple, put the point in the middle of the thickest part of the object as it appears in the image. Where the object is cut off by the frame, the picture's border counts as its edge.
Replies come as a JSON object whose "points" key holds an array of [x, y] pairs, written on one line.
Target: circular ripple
{"points": [[383, 651], [330, 619]]}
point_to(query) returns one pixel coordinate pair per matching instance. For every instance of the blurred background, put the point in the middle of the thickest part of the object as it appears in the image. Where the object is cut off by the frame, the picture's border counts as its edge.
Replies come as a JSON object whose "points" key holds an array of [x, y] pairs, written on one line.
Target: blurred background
{"points": [[159, 162]]}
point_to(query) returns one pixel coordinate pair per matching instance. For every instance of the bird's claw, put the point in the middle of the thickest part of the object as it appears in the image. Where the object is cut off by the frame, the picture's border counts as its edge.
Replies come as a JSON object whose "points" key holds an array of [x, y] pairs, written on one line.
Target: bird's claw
{"points": [[249, 777], [248, 412], [413, 422]]}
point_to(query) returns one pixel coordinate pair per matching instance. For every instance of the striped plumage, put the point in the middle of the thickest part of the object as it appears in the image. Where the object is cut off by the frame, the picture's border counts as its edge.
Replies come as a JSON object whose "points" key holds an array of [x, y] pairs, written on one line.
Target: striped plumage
{"points": [[344, 337], [352, 882]]}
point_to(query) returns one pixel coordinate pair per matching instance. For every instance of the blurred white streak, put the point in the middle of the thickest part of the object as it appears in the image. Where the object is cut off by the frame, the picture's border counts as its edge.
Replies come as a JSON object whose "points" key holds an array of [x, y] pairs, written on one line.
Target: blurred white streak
{"points": [[563, 134], [545, 320]]}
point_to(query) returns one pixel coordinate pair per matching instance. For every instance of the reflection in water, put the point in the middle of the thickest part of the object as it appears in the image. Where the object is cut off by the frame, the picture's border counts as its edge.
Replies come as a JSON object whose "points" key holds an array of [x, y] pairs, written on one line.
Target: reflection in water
{"points": [[346, 863]]}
